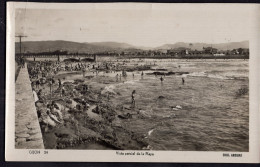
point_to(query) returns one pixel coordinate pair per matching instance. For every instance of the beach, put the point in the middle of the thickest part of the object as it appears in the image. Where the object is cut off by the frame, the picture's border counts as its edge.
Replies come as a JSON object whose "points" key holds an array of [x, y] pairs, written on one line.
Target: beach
{"points": [[208, 111]]}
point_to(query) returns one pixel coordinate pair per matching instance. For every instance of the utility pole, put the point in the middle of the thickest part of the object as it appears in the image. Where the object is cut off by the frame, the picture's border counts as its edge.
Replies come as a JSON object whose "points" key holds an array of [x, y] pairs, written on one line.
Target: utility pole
{"points": [[20, 40], [228, 43]]}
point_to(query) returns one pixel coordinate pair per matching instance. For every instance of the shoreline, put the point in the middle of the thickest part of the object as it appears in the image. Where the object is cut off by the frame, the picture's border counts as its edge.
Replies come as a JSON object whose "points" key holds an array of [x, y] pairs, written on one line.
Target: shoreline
{"points": [[82, 116], [102, 123]]}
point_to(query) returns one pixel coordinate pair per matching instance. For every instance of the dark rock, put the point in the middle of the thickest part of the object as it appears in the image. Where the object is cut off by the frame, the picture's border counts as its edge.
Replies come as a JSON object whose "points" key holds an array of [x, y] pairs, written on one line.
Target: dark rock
{"points": [[71, 60], [68, 101], [76, 81], [160, 69], [167, 73], [67, 83], [125, 116]]}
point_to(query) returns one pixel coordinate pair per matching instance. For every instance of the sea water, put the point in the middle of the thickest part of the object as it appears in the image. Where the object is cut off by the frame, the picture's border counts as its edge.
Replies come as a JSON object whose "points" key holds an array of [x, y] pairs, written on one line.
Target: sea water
{"points": [[210, 115]]}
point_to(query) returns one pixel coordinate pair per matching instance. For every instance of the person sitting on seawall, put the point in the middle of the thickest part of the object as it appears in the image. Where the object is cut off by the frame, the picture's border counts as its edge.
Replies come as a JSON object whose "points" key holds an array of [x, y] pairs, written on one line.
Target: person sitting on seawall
{"points": [[37, 83], [40, 95], [35, 96]]}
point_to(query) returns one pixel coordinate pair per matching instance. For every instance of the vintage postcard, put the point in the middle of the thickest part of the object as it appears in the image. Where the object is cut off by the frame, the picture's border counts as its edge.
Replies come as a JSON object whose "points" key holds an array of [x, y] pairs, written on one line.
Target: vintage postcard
{"points": [[132, 82]]}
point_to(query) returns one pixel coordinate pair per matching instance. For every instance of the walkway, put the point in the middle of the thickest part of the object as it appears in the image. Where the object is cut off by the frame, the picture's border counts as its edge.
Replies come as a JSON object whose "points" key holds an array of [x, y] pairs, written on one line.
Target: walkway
{"points": [[27, 129]]}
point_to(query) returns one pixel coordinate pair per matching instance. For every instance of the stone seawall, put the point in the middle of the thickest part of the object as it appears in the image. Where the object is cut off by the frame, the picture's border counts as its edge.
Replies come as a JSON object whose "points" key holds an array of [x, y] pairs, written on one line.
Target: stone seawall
{"points": [[27, 129]]}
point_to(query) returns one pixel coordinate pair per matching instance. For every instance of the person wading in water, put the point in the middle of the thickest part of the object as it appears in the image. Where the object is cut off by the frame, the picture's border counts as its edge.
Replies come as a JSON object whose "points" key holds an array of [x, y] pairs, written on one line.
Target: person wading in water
{"points": [[116, 77], [83, 71], [133, 98], [59, 82], [142, 74], [161, 78]]}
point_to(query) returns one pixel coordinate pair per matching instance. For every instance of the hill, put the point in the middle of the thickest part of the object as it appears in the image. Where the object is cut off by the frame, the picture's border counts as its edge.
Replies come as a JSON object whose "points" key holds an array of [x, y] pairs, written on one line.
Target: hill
{"points": [[97, 47], [71, 47], [112, 45], [199, 46]]}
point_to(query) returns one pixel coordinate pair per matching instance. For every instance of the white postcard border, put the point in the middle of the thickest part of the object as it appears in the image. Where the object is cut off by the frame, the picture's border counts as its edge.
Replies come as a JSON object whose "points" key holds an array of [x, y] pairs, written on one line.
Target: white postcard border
{"points": [[12, 154]]}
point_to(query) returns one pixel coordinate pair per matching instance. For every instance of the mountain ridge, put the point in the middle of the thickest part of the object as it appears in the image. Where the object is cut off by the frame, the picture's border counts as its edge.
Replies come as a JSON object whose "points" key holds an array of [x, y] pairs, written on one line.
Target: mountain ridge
{"points": [[95, 47], [199, 46]]}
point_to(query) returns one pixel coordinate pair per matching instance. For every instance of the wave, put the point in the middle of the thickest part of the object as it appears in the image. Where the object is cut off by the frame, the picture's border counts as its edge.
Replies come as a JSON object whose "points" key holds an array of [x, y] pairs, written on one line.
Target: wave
{"points": [[109, 89], [130, 82], [144, 113], [150, 132], [216, 76]]}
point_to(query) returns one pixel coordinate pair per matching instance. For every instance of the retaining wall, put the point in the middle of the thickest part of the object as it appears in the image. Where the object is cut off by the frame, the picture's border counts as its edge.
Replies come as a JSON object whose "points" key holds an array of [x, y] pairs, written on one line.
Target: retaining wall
{"points": [[27, 129]]}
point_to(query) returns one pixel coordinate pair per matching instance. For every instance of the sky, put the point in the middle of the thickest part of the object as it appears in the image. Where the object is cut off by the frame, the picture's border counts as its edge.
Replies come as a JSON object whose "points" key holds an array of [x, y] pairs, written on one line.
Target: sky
{"points": [[146, 27]]}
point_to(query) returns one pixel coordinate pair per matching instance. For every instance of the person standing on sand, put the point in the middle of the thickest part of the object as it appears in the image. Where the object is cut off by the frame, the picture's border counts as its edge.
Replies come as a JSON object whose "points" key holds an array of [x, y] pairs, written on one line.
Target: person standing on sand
{"points": [[51, 81], [108, 97], [133, 98], [183, 81], [116, 77], [62, 91], [83, 70]]}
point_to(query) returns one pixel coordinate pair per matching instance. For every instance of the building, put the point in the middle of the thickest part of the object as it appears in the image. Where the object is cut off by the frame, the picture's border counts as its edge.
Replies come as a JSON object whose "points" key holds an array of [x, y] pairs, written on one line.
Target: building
{"points": [[178, 51], [210, 50], [243, 51], [219, 54], [234, 52]]}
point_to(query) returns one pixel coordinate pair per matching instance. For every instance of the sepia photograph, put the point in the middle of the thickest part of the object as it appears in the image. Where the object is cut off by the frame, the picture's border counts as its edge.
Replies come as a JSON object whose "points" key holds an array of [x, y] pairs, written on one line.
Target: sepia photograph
{"points": [[131, 77]]}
